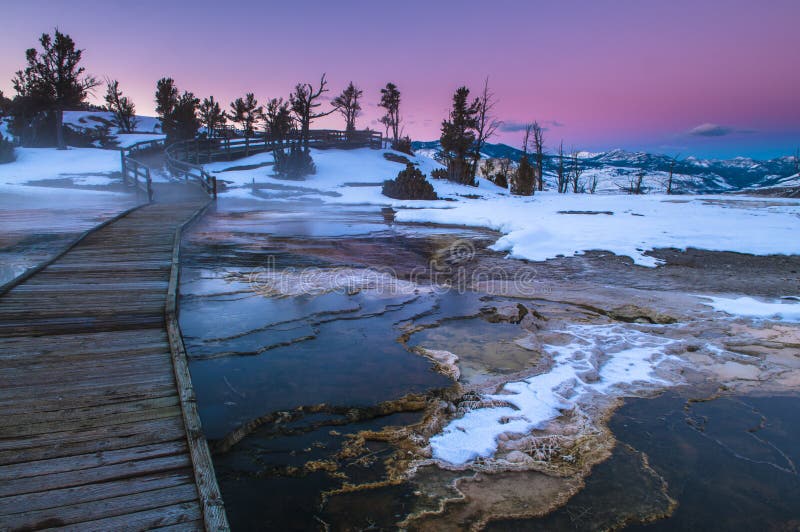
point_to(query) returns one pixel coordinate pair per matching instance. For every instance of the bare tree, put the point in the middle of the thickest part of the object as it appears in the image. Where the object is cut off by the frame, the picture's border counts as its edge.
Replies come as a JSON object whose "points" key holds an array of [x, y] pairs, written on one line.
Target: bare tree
{"points": [[538, 145], [487, 125], [303, 102], [635, 186], [347, 104], [797, 161], [561, 177], [575, 173], [672, 163]]}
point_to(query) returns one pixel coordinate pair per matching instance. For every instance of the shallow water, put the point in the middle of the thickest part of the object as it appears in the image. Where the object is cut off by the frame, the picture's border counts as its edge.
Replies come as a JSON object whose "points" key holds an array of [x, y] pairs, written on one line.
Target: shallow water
{"points": [[252, 354], [729, 464], [260, 351]]}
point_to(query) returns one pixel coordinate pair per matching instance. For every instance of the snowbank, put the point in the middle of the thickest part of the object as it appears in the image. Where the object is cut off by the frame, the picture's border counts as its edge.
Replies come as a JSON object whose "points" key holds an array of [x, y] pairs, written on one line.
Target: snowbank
{"points": [[548, 224], [37, 164], [600, 359], [92, 119], [785, 310], [126, 140]]}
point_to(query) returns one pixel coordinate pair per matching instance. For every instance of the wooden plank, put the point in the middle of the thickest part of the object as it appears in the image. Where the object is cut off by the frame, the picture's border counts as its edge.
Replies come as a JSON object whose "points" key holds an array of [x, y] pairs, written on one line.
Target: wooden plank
{"points": [[179, 514], [87, 435], [94, 510], [95, 430], [89, 423], [165, 431], [90, 460], [60, 402], [104, 409], [207, 487], [43, 500], [66, 479]]}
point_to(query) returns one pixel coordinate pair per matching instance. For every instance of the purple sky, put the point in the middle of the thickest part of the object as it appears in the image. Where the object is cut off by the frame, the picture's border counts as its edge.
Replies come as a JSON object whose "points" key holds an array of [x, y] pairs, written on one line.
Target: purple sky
{"points": [[710, 78]]}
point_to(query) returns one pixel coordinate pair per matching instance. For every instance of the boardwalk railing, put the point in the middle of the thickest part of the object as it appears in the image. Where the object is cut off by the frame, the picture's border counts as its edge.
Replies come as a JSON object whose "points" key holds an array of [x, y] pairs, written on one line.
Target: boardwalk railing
{"points": [[137, 175], [134, 173], [187, 157]]}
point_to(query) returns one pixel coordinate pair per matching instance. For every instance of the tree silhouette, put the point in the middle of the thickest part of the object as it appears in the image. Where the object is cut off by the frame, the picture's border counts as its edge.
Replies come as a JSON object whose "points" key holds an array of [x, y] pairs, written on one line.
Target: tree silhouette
{"points": [[303, 102], [212, 117], [247, 112], [123, 108], [53, 78], [347, 104], [390, 100]]}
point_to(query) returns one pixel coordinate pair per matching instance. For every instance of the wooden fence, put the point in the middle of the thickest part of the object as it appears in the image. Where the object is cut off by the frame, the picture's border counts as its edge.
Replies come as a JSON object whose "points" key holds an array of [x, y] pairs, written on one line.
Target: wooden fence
{"points": [[136, 174], [187, 157]]}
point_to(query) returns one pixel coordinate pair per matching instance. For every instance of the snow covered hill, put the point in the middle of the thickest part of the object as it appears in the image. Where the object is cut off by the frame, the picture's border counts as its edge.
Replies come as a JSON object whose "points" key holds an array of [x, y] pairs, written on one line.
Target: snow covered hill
{"points": [[147, 127], [614, 170]]}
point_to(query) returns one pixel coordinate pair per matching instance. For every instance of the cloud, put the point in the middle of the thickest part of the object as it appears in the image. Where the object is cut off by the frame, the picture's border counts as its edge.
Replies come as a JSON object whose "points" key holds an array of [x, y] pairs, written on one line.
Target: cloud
{"points": [[710, 130], [512, 126]]}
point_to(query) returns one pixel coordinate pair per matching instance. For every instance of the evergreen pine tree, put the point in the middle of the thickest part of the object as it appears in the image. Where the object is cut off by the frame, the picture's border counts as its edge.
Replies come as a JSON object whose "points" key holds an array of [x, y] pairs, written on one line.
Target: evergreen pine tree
{"points": [[347, 104], [458, 137], [247, 112], [523, 182], [166, 100], [390, 100], [212, 117], [53, 79], [185, 118], [278, 119], [178, 113]]}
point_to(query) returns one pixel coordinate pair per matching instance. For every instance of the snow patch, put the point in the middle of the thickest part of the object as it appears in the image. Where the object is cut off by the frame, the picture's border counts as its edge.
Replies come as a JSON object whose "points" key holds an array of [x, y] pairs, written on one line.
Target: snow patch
{"points": [[36, 164], [609, 360], [783, 309]]}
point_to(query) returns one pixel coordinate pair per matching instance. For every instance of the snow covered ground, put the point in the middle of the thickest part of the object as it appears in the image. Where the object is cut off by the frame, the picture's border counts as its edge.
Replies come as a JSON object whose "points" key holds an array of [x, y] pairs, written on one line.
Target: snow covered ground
{"points": [[92, 119], [84, 166], [786, 309], [546, 225], [629, 357]]}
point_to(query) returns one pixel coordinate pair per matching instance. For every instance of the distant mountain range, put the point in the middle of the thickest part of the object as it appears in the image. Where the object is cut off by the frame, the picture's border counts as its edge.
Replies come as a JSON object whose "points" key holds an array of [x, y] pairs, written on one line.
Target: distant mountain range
{"points": [[614, 169]]}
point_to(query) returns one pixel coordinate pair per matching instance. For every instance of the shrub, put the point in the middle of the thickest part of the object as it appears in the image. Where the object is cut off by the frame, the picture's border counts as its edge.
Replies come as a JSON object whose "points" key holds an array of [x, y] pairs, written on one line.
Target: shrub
{"points": [[6, 151], [409, 184], [522, 182], [501, 180], [296, 164], [389, 156], [403, 144]]}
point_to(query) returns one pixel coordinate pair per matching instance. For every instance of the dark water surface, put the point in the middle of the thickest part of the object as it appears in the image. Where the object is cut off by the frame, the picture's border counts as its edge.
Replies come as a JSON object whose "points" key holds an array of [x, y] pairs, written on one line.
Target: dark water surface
{"points": [[728, 463], [253, 355]]}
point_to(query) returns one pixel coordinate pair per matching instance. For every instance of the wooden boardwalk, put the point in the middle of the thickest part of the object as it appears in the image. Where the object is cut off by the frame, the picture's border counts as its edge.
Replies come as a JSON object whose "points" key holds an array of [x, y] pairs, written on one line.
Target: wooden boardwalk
{"points": [[96, 433]]}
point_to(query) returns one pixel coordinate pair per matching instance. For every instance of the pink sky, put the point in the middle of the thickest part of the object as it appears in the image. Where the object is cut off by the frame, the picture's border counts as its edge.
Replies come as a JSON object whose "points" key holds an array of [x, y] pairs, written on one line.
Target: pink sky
{"points": [[600, 74]]}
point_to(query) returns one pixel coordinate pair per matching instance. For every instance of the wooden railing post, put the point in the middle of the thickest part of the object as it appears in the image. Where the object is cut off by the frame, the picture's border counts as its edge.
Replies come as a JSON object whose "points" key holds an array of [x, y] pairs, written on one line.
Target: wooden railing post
{"points": [[149, 185], [124, 167]]}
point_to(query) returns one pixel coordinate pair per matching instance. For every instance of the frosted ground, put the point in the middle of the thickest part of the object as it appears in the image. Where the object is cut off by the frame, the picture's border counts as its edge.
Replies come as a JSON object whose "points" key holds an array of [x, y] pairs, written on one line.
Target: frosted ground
{"points": [[548, 224]]}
